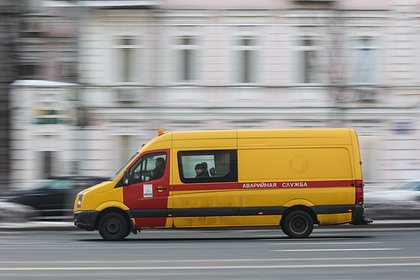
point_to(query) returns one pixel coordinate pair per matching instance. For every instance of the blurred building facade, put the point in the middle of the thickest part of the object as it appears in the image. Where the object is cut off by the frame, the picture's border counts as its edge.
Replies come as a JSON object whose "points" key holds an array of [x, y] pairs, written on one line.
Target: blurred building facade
{"points": [[9, 20], [45, 60], [187, 65], [47, 45]]}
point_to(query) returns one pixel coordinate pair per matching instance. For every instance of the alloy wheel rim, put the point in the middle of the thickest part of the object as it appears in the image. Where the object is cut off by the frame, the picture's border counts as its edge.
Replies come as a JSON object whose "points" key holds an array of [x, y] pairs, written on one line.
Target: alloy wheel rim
{"points": [[113, 227], [299, 225]]}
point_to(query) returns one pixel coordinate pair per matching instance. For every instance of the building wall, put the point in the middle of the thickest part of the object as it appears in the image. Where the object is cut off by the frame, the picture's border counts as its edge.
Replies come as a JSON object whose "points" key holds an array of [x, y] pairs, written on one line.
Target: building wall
{"points": [[8, 33], [42, 117], [46, 42], [277, 98], [382, 104]]}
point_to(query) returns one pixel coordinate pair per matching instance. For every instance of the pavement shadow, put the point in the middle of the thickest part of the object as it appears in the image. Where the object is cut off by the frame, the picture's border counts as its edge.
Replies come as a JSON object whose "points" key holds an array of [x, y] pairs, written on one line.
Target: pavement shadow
{"points": [[230, 239]]}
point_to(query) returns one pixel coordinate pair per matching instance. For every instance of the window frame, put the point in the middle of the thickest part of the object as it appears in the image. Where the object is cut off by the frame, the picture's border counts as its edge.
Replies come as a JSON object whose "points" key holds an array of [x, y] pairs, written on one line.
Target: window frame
{"points": [[254, 59], [140, 162], [179, 49], [359, 50], [302, 50], [231, 177], [135, 65], [35, 70]]}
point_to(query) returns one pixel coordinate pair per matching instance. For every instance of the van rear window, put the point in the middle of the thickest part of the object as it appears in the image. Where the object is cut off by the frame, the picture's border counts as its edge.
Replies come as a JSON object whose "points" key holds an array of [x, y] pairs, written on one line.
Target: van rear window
{"points": [[208, 166]]}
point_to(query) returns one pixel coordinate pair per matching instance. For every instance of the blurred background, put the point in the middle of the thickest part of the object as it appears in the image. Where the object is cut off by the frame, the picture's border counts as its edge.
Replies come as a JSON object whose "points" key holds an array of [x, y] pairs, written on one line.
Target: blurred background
{"points": [[83, 84]]}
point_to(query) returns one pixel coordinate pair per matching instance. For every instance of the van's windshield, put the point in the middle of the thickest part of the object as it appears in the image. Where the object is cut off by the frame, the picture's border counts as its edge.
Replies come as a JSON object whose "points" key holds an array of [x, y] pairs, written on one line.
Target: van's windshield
{"points": [[123, 167]]}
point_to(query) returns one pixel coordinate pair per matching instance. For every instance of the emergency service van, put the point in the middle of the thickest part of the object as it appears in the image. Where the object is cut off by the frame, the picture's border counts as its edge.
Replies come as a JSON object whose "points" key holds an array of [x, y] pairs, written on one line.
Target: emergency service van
{"points": [[290, 179]]}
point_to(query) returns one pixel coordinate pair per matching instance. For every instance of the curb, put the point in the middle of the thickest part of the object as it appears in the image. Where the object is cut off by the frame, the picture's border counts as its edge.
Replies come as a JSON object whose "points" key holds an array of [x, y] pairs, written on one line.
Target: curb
{"points": [[39, 226], [68, 226], [379, 224]]}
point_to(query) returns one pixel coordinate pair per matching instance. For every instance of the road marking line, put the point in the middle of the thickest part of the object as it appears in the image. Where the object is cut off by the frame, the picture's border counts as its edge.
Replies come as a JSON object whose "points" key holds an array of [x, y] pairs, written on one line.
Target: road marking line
{"points": [[337, 249], [354, 265], [324, 243], [213, 260], [389, 229], [175, 246]]}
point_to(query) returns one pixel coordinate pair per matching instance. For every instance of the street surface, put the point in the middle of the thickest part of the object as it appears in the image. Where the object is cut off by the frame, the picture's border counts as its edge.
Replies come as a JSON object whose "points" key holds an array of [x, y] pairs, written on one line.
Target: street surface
{"points": [[330, 253]]}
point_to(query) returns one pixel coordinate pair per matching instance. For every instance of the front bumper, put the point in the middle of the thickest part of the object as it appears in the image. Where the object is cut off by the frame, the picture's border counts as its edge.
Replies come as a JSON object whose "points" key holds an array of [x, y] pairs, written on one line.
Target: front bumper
{"points": [[85, 219], [358, 217]]}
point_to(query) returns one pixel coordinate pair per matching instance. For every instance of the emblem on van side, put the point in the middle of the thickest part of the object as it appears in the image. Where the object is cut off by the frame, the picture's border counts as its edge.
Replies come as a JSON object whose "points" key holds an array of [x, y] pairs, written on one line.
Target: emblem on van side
{"points": [[298, 165]]}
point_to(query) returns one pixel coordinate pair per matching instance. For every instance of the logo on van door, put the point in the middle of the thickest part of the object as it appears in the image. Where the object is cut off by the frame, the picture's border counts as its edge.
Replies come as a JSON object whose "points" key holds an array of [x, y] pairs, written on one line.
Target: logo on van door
{"points": [[147, 191]]}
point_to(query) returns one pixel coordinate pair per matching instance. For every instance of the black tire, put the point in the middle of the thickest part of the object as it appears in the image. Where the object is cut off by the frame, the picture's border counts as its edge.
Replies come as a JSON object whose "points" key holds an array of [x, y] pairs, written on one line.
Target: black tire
{"points": [[298, 224], [113, 226]]}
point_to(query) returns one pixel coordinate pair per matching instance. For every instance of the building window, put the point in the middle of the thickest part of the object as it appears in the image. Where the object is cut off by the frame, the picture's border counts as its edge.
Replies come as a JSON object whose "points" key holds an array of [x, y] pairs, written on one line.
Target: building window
{"points": [[47, 164], [29, 71], [308, 61], [365, 61], [127, 65], [125, 148], [68, 71], [186, 49], [246, 59], [208, 166], [31, 6]]}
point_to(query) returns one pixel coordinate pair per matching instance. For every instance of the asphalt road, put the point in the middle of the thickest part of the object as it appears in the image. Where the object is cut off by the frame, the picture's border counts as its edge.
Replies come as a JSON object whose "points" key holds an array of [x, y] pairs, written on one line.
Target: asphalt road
{"points": [[331, 253]]}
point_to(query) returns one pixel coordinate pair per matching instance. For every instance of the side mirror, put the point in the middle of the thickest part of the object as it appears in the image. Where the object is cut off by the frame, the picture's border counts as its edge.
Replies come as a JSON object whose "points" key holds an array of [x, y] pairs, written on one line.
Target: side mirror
{"points": [[126, 178]]}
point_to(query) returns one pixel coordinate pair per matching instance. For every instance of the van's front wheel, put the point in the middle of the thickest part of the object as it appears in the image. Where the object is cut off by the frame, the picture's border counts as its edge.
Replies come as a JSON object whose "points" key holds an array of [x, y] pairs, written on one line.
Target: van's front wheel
{"points": [[113, 226], [298, 224]]}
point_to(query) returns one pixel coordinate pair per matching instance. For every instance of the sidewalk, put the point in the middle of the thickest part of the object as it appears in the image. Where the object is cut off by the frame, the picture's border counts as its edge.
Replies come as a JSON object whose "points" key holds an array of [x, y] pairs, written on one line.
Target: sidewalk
{"points": [[38, 226], [68, 226]]}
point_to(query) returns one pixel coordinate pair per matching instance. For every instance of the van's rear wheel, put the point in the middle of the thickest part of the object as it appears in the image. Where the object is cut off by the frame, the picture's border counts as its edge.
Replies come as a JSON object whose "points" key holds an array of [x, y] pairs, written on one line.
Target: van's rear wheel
{"points": [[298, 224], [113, 226]]}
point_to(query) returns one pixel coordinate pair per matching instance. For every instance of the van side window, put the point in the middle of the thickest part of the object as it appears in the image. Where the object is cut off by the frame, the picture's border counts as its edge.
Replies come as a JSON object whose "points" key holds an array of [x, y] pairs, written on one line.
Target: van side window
{"points": [[208, 166], [148, 167]]}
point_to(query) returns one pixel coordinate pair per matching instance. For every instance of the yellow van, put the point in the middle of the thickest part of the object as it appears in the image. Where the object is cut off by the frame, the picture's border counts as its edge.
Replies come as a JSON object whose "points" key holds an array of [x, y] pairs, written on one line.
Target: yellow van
{"points": [[291, 179]]}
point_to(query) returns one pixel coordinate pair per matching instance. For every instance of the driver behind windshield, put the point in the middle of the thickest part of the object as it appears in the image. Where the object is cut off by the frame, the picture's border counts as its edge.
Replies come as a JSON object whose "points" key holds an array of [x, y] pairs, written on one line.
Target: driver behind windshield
{"points": [[158, 171]]}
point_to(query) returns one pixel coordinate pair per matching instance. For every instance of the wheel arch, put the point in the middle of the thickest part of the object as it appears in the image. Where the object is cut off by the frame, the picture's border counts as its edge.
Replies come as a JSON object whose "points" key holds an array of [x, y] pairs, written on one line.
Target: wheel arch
{"points": [[305, 208], [117, 210]]}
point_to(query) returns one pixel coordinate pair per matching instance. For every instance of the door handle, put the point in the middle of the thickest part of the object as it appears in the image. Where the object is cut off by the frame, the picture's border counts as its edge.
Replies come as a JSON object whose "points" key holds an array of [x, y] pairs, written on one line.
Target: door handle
{"points": [[161, 188]]}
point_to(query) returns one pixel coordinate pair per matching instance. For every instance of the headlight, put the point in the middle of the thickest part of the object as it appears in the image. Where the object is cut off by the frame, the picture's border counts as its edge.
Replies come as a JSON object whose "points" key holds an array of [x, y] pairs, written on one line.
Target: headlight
{"points": [[79, 200]]}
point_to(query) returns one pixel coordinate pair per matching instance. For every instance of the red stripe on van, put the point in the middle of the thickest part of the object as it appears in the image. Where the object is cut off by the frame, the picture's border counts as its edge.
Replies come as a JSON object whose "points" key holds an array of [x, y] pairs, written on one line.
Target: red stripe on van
{"points": [[262, 185]]}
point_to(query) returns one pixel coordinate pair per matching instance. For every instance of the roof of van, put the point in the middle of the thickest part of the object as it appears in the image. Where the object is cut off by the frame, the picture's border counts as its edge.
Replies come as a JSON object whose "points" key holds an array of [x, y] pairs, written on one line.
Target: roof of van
{"points": [[229, 139], [264, 133]]}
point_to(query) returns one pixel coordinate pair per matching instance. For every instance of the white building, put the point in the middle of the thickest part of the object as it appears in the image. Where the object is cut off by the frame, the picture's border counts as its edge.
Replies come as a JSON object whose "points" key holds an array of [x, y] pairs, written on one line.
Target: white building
{"points": [[186, 65]]}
